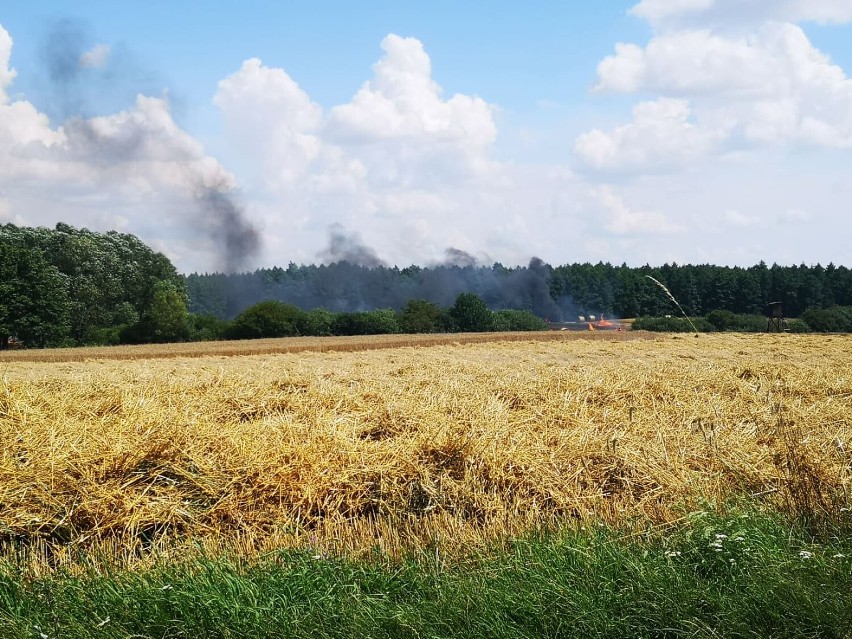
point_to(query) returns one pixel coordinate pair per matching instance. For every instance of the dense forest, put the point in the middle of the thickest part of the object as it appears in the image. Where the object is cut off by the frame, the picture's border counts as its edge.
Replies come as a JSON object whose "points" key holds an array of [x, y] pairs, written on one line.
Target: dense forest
{"points": [[68, 286], [558, 293]]}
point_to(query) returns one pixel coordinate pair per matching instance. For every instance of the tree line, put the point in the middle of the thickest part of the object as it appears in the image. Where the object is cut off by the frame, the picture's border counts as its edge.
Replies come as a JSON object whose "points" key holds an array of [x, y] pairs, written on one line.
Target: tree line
{"points": [[560, 293], [68, 286]]}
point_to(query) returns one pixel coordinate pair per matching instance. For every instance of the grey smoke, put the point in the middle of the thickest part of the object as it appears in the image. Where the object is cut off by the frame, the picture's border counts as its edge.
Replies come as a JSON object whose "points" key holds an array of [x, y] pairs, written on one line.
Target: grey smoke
{"points": [[60, 54], [343, 286], [225, 222], [345, 246], [458, 257], [86, 142], [215, 212], [73, 87]]}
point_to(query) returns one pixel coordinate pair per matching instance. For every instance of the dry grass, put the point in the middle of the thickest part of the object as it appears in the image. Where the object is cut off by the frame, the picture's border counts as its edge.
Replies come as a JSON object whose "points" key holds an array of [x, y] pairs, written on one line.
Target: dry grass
{"points": [[295, 345], [410, 447]]}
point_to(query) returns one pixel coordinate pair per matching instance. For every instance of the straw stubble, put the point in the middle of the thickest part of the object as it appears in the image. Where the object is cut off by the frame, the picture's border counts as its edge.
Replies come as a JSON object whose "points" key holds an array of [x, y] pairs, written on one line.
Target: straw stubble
{"points": [[409, 448]]}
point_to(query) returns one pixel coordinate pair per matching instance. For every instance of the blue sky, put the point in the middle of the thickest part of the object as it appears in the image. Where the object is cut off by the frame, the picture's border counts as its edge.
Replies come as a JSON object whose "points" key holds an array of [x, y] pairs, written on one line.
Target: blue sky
{"points": [[641, 131]]}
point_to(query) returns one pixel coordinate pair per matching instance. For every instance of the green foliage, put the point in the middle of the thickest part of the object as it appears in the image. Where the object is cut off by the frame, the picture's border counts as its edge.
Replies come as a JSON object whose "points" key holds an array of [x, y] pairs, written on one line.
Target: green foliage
{"points": [[798, 326], [514, 320], [722, 320], [471, 314], [109, 279], [270, 318], [109, 336], [34, 304], [317, 322], [169, 315], [167, 319], [420, 316], [837, 319], [378, 322], [206, 328], [670, 324], [744, 574]]}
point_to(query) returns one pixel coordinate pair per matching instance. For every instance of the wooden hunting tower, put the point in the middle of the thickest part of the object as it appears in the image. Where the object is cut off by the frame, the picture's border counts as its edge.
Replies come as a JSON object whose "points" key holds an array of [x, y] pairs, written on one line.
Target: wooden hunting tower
{"points": [[777, 322]]}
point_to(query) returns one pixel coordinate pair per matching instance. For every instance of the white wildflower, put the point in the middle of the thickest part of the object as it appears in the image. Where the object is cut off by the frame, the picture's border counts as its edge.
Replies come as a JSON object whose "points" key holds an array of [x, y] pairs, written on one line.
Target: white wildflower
{"points": [[806, 554]]}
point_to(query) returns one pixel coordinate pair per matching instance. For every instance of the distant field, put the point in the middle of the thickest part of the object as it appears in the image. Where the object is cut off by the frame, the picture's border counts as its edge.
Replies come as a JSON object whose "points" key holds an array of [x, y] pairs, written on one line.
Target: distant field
{"points": [[294, 345], [407, 447]]}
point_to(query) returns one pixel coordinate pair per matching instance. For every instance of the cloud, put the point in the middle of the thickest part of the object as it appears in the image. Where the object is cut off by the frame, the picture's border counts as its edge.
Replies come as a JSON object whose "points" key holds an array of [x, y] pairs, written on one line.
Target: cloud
{"points": [[402, 171], [103, 169], [721, 91], [272, 120], [7, 74], [735, 218], [97, 56], [773, 61], [623, 220], [663, 13], [662, 134], [399, 161], [400, 118]]}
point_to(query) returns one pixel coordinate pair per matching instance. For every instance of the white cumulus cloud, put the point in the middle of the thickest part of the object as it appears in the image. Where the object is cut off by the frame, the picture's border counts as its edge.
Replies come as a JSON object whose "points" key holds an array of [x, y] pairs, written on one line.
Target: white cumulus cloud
{"points": [[662, 134], [674, 12], [96, 57], [622, 220], [7, 74], [763, 86]]}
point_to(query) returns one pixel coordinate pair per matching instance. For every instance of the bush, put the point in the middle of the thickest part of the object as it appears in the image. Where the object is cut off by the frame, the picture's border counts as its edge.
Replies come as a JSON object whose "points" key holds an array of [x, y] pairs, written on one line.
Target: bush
{"points": [[207, 328], [318, 322], [722, 320], [837, 319], [471, 314], [110, 336], [515, 320], [420, 316], [378, 322], [670, 324], [271, 318]]}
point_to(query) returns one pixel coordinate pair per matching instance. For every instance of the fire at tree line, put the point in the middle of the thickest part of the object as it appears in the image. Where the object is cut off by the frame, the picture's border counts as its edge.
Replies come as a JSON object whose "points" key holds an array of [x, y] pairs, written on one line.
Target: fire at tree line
{"points": [[68, 286]]}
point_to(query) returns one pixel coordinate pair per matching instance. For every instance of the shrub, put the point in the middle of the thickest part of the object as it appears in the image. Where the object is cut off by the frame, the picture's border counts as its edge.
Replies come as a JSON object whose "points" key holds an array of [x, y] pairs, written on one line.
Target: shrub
{"points": [[420, 316], [471, 314], [670, 324], [837, 319], [271, 318], [515, 320], [378, 322], [207, 328], [318, 322]]}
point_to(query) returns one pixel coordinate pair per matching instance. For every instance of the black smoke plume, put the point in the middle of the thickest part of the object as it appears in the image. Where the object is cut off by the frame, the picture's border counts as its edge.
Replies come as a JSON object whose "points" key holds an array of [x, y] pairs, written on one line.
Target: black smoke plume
{"points": [[215, 212], [457, 257], [344, 246], [72, 87], [225, 222], [344, 286]]}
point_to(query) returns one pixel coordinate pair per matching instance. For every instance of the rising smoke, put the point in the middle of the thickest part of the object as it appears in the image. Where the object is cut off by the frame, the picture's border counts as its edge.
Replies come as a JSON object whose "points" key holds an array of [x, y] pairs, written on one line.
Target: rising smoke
{"points": [[457, 257], [132, 137], [344, 286], [345, 246]]}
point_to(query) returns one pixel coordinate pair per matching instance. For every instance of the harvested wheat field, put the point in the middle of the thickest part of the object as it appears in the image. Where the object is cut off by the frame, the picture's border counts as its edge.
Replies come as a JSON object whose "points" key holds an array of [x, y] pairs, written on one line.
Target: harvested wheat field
{"points": [[405, 448]]}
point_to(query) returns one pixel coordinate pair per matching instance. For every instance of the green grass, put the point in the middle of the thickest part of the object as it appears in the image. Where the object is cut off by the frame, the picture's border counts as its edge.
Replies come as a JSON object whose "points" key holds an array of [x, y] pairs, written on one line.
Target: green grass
{"points": [[739, 575]]}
